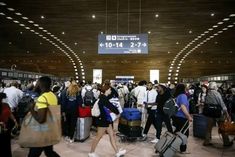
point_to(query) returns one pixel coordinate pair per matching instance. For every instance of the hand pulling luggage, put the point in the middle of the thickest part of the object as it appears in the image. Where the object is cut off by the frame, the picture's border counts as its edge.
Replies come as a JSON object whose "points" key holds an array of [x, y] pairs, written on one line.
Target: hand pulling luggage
{"points": [[199, 125], [83, 129], [170, 143], [131, 114], [130, 131]]}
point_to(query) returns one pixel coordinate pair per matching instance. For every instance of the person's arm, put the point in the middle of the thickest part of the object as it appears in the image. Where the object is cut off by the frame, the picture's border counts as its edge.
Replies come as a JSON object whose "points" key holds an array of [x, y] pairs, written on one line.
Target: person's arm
{"points": [[40, 115], [184, 109], [111, 107]]}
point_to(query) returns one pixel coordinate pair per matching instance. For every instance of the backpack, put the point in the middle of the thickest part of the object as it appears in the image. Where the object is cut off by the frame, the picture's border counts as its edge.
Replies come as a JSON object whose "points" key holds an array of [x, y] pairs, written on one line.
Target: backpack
{"points": [[89, 98], [24, 106], [170, 107]]}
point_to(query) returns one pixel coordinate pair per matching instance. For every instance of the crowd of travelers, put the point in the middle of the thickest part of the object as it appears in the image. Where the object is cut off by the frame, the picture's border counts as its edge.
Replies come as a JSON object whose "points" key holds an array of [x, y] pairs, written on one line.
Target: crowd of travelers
{"points": [[35, 97]]}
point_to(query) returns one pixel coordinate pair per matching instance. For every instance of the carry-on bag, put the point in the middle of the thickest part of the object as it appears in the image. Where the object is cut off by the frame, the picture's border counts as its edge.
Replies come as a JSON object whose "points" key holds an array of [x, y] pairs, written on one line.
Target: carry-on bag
{"points": [[199, 125], [83, 129], [170, 143], [131, 114]]}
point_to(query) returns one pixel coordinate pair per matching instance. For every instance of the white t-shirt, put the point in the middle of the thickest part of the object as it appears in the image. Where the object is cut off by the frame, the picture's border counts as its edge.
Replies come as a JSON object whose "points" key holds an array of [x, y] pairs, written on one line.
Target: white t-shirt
{"points": [[14, 95]]}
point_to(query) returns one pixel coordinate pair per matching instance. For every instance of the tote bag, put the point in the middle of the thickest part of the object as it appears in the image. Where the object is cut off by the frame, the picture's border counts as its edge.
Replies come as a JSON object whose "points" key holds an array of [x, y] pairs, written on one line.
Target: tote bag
{"points": [[34, 134]]}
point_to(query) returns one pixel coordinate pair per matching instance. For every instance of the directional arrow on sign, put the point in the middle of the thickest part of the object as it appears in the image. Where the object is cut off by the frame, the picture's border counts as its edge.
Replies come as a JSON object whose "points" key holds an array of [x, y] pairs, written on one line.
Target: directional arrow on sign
{"points": [[101, 44]]}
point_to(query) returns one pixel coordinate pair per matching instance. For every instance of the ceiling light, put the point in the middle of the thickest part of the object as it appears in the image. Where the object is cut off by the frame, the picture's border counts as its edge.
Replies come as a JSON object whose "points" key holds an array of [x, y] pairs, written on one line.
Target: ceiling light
{"points": [[9, 43], [27, 51], [210, 29], [2, 4], [75, 43], [27, 28], [10, 18], [22, 25], [220, 23], [177, 43], [30, 21], [212, 14], [226, 19], [232, 15], [36, 25], [215, 34], [190, 32], [2, 14], [93, 16], [11, 9], [220, 32], [40, 27], [63, 33], [225, 29], [230, 26], [42, 17], [32, 30], [40, 43], [169, 78], [19, 14], [21, 32], [25, 18], [83, 52], [215, 26], [206, 32], [168, 52], [156, 15], [216, 42], [16, 21], [230, 51], [149, 32]]}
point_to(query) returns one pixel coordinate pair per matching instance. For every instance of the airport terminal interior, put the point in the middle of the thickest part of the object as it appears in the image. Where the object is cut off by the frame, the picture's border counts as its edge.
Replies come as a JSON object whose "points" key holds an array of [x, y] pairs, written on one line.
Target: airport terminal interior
{"points": [[120, 50]]}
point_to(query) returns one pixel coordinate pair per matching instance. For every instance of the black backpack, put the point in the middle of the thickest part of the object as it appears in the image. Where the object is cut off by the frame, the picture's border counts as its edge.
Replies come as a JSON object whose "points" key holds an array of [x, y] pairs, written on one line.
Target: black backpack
{"points": [[170, 107], [24, 106], [89, 98]]}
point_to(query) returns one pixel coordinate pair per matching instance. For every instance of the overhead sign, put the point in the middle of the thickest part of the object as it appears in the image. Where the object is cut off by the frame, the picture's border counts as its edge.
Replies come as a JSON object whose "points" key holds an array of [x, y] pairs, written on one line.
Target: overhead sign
{"points": [[123, 44]]}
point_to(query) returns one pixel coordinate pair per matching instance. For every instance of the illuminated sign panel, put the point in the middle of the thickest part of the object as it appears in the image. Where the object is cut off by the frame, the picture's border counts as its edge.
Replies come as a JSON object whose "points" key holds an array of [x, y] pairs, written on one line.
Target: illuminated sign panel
{"points": [[123, 44]]}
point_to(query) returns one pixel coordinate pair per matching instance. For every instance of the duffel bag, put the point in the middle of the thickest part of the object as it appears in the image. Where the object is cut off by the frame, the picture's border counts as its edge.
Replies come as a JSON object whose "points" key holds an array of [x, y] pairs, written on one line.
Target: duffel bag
{"points": [[227, 128]]}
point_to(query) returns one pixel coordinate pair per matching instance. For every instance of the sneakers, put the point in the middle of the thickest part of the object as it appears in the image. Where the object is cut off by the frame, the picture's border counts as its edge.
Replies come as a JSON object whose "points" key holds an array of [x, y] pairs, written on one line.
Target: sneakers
{"points": [[155, 141], [71, 141], [144, 137], [120, 153], [92, 155]]}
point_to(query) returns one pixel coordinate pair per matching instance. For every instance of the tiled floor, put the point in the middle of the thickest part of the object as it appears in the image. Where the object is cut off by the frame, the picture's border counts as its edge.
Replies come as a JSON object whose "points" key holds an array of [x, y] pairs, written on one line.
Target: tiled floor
{"points": [[135, 149]]}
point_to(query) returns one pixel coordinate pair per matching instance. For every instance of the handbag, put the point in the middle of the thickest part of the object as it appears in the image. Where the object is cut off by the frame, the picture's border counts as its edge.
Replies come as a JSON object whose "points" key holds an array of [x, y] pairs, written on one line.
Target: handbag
{"points": [[212, 110], [84, 111], [95, 111], [34, 134], [227, 128]]}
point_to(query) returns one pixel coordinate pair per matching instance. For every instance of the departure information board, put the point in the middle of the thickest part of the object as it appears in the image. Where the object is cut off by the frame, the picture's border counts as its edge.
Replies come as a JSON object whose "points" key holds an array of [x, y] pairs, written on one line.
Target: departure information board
{"points": [[123, 44]]}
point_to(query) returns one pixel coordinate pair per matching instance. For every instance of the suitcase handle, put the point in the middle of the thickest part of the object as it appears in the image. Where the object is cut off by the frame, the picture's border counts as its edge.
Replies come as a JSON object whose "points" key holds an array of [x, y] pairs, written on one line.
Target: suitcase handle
{"points": [[189, 124]]}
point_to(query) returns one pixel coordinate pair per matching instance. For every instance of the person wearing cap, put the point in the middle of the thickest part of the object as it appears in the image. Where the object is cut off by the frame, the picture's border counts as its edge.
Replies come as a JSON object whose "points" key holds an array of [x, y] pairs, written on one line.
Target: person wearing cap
{"points": [[214, 97]]}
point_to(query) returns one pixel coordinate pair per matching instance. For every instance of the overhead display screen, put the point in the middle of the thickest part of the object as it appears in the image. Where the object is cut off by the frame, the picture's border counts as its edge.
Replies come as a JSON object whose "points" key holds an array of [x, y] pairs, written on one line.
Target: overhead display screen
{"points": [[123, 44]]}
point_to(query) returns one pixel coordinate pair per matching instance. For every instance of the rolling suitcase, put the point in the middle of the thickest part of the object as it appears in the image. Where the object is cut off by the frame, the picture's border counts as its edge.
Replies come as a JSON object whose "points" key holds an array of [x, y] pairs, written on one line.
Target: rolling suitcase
{"points": [[170, 143], [83, 129], [199, 125]]}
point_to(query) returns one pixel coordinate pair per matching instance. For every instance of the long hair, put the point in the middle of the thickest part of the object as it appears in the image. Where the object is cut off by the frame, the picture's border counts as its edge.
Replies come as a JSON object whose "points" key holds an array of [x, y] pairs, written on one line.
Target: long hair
{"points": [[180, 89], [73, 89]]}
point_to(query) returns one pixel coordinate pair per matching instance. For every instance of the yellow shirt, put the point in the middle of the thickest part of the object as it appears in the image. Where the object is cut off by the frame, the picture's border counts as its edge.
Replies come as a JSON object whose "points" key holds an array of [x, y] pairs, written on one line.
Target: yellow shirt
{"points": [[42, 102]]}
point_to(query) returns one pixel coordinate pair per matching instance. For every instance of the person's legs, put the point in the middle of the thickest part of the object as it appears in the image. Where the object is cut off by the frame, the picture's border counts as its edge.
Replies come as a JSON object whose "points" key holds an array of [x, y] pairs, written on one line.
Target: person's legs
{"points": [[73, 124], [112, 138], [148, 123], [159, 121], [35, 152], [167, 121], [49, 152], [208, 131], [99, 135]]}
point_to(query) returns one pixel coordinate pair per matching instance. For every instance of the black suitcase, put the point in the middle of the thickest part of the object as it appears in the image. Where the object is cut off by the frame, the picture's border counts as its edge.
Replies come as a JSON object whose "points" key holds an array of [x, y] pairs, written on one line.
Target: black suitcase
{"points": [[130, 131], [199, 125]]}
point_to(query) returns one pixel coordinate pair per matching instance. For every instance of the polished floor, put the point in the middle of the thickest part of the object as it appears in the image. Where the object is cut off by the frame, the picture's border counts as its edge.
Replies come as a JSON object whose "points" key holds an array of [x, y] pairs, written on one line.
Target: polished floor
{"points": [[135, 149]]}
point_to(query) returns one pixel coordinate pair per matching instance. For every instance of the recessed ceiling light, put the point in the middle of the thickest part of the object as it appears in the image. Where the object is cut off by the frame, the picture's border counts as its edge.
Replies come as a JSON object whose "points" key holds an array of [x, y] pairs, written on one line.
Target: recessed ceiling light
{"points": [[40, 43], [27, 27], [75, 43], [220, 23], [40, 27], [2, 14], [206, 32], [168, 52], [216, 42], [93, 16], [149, 32], [36, 25], [232, 15], [32, 30], [230, 26], [10, 18], [225, 29], [220, 32], [19, 14], [177, 43], [42, 17], [63, 33], [30, 21], [215, 26], [212, 14], [22, 25], [226, 19], [156, 15], [16, 21], [83, 52], [11, 9], [25, 18], [21, 32], [2, 4], [190, 32], [101, 32], [27, 51], [210, 29], [230, 51], [10, 43]]}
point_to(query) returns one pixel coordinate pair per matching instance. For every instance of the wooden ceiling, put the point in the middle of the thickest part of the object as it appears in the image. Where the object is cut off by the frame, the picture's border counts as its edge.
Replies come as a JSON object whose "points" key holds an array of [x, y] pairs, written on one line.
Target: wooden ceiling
{"points": [[178, 23]]}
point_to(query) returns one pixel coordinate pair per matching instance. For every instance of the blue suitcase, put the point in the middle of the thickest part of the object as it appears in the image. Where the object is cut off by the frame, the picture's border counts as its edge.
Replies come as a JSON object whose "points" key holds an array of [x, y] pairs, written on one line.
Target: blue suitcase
{"points": [[199, 125], [131, 114]]}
